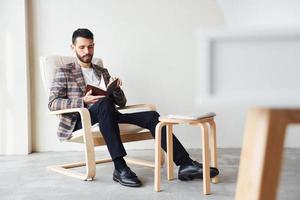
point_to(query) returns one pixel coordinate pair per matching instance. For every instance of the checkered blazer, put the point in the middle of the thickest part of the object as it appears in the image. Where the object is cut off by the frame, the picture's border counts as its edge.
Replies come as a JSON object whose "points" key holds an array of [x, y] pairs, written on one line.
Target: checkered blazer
{"points": [[67, 91]]}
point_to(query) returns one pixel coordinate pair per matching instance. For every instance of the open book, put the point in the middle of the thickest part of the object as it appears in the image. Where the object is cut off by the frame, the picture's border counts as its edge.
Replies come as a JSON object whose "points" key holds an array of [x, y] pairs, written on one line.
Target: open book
{"points": [[192, 116], [98, 91]]}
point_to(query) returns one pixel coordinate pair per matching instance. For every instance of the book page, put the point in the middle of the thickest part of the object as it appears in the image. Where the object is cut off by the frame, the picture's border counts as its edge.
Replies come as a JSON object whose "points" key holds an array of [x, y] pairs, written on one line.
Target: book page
{"points": [[102, 83]]}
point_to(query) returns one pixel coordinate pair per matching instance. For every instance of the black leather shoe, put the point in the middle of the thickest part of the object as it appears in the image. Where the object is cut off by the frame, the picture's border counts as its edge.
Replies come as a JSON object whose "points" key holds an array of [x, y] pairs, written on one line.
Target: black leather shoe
{"points": [[126, 177], [195, 170]]}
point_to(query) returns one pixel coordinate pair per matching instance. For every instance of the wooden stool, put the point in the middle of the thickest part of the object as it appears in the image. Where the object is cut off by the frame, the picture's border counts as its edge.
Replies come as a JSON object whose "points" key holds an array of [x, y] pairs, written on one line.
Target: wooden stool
{"points": [[205, 124], [261, 155]]}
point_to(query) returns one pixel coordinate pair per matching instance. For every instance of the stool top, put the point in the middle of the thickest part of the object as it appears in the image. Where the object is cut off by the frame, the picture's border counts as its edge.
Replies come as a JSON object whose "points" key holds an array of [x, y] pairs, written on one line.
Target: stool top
{"points": [[188, 118]]}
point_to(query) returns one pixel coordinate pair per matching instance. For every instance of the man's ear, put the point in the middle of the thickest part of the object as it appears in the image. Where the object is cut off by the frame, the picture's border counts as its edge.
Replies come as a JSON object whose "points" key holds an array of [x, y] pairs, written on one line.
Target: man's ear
{"points": [[72, 47]]}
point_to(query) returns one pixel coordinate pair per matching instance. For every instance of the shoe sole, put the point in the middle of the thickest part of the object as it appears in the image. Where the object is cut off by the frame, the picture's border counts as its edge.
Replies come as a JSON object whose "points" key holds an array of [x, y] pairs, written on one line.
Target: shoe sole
{"points": [[125, 184]]}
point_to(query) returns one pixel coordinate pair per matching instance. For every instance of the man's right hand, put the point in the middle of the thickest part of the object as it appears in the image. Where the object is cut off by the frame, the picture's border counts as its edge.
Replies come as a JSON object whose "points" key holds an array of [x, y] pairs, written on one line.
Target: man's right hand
{"points": [[90, 99]]}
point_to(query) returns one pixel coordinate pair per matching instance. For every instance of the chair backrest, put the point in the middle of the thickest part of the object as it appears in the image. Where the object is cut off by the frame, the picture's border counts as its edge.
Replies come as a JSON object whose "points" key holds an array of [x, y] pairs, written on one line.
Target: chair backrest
{"points": [[48, 65]]}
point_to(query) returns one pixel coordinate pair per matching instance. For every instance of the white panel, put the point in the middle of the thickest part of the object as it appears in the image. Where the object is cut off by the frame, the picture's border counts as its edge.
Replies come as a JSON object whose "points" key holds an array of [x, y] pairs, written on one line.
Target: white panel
{"points": [[260, 68], [255, 66], [14, 89]]}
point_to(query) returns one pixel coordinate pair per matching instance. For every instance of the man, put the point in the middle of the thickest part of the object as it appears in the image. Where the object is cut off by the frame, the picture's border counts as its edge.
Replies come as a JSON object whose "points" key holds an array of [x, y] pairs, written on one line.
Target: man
{"points": [[68, 91]]}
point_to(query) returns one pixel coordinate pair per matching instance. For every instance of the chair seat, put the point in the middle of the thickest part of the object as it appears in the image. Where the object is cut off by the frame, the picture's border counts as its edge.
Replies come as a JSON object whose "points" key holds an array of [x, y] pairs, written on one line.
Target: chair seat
{"points": [[129, 133]]}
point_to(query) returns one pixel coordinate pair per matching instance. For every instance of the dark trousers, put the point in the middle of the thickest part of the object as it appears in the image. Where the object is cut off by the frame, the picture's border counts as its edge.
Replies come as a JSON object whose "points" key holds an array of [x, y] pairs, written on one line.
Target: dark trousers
{"points": [[105, 113]]}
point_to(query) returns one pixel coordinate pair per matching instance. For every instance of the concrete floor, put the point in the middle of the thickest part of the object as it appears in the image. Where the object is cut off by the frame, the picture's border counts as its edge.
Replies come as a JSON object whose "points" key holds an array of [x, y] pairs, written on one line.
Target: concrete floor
{"points": [[26, 177]]}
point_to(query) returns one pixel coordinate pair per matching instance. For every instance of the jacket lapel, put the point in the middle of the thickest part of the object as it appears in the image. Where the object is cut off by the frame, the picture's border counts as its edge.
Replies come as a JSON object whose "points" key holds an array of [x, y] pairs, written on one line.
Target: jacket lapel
{"points": [[76, 71], [99, 71]]}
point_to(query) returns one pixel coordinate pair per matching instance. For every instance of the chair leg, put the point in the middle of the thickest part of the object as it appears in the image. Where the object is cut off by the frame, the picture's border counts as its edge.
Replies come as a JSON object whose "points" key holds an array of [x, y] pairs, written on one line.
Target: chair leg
{"points": [[65, 169], [261, 155], [89, 163], [89, 151], [139, 162], [213, 148], [62, 170], [205, 158]]}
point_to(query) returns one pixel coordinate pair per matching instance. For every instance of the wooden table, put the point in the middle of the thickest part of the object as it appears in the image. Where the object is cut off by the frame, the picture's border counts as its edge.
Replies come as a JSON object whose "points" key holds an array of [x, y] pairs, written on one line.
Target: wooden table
{"points": [[208, 135]]}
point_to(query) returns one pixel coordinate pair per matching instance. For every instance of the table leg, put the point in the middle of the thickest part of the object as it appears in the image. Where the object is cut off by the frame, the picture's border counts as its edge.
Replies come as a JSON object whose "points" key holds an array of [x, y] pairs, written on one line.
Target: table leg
{"points": [[170, 173]]}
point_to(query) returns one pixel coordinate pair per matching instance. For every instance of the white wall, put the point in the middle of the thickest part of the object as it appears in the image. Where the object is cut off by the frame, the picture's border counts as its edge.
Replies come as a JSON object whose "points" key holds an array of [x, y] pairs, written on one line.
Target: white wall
{"points": [[14, 73], [269, 31], [156, 48], [151, 45], [263, 14]]}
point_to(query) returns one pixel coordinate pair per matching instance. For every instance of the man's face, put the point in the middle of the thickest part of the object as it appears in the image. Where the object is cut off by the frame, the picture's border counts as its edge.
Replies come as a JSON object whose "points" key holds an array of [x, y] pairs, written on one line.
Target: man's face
{"points": [[84, 49]]}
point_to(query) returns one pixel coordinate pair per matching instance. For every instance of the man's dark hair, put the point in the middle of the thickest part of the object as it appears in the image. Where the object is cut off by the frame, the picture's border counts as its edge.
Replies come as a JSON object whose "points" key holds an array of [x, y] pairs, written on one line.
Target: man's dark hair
{"points": [[82, 32]]}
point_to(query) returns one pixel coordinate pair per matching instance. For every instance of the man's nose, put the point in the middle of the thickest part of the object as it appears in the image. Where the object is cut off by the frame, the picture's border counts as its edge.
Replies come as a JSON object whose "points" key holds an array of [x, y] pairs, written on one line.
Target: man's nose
{"points": [[86, 50]]}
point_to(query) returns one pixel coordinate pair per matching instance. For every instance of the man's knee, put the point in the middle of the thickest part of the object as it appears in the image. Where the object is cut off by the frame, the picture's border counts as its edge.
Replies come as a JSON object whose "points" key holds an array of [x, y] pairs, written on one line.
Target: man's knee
{"points": [[153, 121], [106, 100], [105, 103], [154, 117], [152, 114]]}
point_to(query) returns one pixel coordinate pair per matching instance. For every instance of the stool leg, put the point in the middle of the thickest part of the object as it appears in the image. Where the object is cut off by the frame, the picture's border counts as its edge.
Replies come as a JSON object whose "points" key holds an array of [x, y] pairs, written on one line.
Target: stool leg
{"points": [[170, 173], [213, 148], [205, 159], [157, 156]]}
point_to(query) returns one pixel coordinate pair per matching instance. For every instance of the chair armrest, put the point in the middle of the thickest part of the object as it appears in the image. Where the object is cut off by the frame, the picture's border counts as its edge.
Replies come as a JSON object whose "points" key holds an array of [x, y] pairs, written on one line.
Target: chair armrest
{"points": [[84, 115], [71, 110], [137, 108]]}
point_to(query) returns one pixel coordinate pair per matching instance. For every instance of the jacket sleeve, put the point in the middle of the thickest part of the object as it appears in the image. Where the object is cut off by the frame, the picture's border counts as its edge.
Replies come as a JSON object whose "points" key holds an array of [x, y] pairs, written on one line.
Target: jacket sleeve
{"points": [[58, 99], [118, 95]]}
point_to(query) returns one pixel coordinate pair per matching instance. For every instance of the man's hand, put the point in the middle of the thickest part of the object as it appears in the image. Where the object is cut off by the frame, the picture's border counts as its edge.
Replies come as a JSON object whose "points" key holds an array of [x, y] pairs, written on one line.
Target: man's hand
{"points": [[119, 83], [90, 99]]}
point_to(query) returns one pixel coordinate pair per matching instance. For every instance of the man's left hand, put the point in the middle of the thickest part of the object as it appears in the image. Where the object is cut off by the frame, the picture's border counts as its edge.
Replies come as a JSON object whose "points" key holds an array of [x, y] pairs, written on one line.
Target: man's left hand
{"points": [[119, 83]]}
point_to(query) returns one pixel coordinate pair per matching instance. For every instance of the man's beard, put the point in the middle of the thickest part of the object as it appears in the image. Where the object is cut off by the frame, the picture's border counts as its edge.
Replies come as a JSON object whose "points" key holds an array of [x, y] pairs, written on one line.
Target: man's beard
{"points": [[85, 59]]}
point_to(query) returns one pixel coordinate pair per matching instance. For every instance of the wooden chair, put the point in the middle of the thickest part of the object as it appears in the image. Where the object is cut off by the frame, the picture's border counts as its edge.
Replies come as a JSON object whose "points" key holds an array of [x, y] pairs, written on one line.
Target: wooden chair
{"points": [[261, 156], [90, 135]]}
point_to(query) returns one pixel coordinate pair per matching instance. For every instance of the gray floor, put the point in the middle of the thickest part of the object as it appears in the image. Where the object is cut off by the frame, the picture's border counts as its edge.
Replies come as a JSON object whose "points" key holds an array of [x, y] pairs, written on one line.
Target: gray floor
{"points": [[26, 177]]}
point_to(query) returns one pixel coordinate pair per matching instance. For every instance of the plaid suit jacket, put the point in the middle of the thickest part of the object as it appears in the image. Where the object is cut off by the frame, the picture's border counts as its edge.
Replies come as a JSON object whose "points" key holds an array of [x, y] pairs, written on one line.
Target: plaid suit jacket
{"points": [[67, 91]]}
